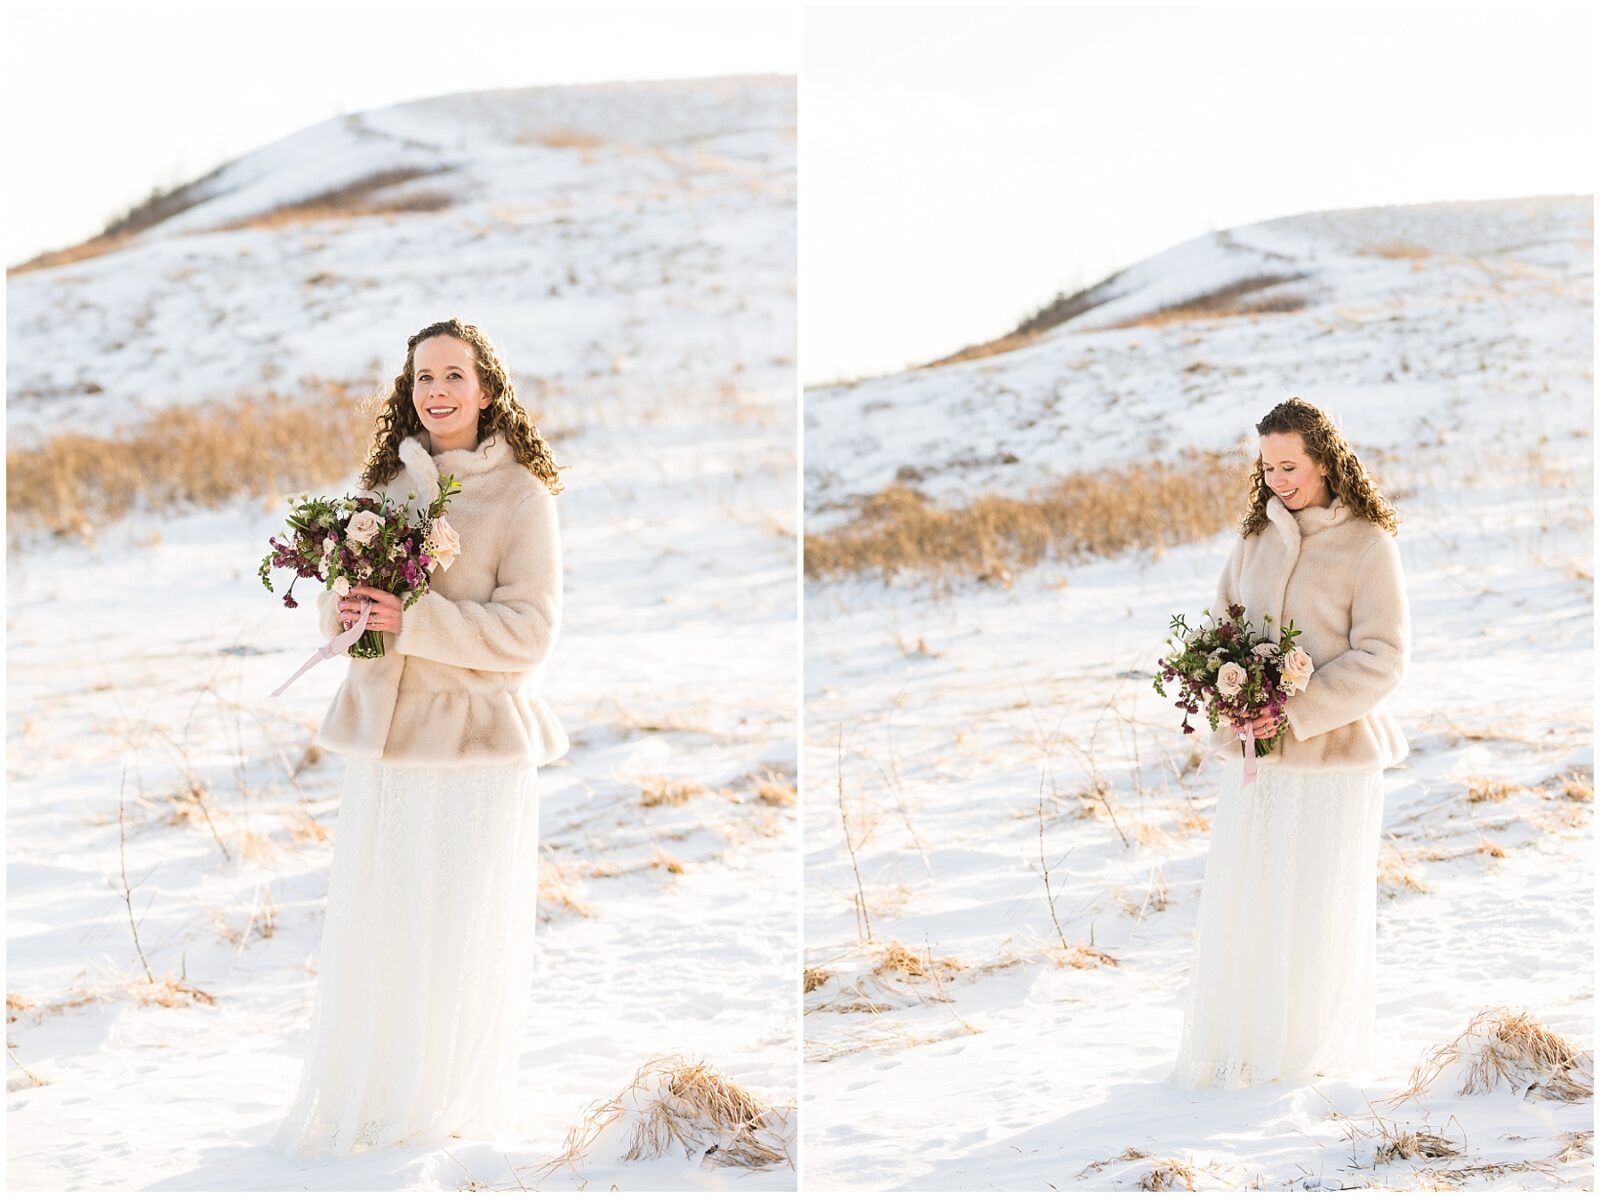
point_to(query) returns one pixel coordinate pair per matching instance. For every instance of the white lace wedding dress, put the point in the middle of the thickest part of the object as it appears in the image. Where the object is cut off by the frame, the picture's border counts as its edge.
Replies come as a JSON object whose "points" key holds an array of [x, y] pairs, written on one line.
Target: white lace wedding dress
{"points": [[1282, 982], [426, 959]]}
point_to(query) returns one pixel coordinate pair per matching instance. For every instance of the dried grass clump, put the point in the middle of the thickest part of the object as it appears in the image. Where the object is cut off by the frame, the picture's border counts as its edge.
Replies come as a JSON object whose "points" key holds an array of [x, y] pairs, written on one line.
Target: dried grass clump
{"points": [[555, 892], [1054, 313], [675, 1103], [666, 861], [356, 198], [1413, 1145], [898, 959], [774, 790], [1394, 249], [169, 992], [260, 924], [1575, 785], [663, 792], [815, 979], [561, 139], [258, 446], [1394, 872], [1487, 790], [1099, 513], [1081, 956], [1505, 1048], [1221, 303], [1168, 1174]]}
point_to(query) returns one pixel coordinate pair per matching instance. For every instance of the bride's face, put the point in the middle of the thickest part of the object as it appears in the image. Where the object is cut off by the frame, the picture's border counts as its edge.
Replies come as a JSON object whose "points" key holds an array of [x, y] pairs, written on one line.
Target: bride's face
{"points": [[1291, 473], [446, 393]]}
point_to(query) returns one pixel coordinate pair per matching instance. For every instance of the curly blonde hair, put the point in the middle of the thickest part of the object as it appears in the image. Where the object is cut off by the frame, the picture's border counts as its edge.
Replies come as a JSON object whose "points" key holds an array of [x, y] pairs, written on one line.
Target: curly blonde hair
{"points": [[504, 414], [1326, 446]]}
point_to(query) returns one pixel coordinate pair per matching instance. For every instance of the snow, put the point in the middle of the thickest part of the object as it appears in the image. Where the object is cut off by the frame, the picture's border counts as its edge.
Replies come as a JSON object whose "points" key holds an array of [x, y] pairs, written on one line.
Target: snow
{"points": [[935, 717], [648, 288]]}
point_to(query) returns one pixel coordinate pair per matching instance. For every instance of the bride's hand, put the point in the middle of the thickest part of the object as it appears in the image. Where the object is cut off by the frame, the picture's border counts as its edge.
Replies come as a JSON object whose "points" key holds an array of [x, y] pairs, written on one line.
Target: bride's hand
{"points": [[1265, 725], [385, 613]]}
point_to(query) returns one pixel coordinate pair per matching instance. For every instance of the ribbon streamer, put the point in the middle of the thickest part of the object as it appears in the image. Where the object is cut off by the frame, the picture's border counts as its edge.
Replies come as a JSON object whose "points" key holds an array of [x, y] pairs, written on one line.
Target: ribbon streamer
{"points": [[1248, 736], [334, 647]]}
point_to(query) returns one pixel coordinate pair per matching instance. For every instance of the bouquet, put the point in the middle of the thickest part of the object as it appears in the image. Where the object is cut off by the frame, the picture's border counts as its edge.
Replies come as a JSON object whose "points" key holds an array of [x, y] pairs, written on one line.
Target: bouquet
{"points": [[363, 540], [1234, 673]]}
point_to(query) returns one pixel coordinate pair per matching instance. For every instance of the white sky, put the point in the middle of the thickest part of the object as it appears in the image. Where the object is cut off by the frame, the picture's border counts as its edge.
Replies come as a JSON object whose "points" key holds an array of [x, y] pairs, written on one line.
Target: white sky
{"points": [[959, 166], [106, 100]]}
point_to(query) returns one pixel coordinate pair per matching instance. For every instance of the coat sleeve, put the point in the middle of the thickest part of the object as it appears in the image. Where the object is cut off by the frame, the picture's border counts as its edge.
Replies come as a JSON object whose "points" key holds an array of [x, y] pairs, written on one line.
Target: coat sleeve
{"points": [[1228, 582], [516, 628], [328, 622], [1347, 687]]}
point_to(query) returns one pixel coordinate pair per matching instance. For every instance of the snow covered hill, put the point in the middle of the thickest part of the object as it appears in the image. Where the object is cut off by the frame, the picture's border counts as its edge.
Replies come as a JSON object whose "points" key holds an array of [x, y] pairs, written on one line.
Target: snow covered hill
{"points": [[969, 1043], [631, 250]]}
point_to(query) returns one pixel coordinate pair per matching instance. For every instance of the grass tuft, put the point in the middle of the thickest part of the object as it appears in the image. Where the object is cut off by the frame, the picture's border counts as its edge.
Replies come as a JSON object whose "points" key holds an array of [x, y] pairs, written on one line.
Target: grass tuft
{"points": [[1099, 513], [675, 1104], [1502, 1048]]}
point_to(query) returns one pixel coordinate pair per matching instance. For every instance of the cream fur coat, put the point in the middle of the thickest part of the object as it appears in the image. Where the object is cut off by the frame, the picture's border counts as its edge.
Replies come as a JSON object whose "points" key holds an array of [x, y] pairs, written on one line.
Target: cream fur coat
{"points": [[1338, 577], [460, 681]]}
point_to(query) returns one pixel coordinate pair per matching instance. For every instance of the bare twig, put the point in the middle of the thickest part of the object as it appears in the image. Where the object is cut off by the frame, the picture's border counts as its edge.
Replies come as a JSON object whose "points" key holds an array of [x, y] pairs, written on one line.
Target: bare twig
{"points": [[863, 919]]}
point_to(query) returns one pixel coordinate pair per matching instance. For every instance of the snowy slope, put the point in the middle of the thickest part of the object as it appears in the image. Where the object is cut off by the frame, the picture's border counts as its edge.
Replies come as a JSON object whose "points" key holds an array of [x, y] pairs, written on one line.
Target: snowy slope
{"points": [[932, 723], [1396, 344], [644, 280]]}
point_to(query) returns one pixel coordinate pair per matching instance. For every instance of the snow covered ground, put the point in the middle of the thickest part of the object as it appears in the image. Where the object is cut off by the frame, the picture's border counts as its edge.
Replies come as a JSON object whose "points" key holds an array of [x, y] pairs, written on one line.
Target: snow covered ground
{"points": [[1454, 342], [640, 268]]}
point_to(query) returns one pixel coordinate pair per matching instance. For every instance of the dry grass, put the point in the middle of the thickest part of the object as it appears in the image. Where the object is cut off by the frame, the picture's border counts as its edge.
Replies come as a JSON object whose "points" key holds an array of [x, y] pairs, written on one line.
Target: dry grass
{"points": [[663, 792], [1221, 303], [814, 979], [1054, 313], [1394, 249], [1098, 513], [561, 139], [666, 862], [93, 248], [896, 959], [672, 1103], [1395, 871], [774, 790], [160, 205], [556, 894], [1487, 790], [1575, 786], [357, 198], [258, 446], [1161, 1172], [1167, 1173], [986, 349], [1511, 1049], [260, 924], [1081, 956], [1413, 1145]]}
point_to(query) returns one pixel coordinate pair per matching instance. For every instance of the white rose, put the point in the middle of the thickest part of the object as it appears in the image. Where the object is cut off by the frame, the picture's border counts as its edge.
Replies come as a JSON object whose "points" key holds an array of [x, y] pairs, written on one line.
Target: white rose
{"points": [[443, 544], [341, 587], [1230, 679], [1298, 663], [363, 527], [1265, 649]]}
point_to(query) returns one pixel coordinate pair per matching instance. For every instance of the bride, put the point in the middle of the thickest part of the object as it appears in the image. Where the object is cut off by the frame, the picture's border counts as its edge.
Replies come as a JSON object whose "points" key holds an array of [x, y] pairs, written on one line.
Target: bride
{"points": [[426, 957], [1282, 982]]}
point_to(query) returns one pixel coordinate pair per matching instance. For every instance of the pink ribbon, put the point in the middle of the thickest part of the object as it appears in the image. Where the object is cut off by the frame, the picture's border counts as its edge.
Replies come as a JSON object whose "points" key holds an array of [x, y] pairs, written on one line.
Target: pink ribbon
{"points": [[334, 647], [1249, 755]]}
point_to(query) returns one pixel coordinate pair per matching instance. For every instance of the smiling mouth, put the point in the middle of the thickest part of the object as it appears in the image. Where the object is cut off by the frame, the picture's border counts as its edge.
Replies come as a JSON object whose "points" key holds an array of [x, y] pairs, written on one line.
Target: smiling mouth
{"points": [[439, 413]]}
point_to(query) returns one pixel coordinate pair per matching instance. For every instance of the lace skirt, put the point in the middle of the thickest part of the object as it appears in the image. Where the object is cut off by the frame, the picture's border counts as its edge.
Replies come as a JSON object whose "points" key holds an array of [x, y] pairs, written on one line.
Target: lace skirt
{"points": [[426, 960], [1282, 982]]}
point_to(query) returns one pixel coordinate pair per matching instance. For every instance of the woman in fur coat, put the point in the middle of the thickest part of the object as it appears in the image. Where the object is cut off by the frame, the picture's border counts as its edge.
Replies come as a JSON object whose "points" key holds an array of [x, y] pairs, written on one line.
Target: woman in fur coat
{"points": [[426, 957], [1282, 982]]}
